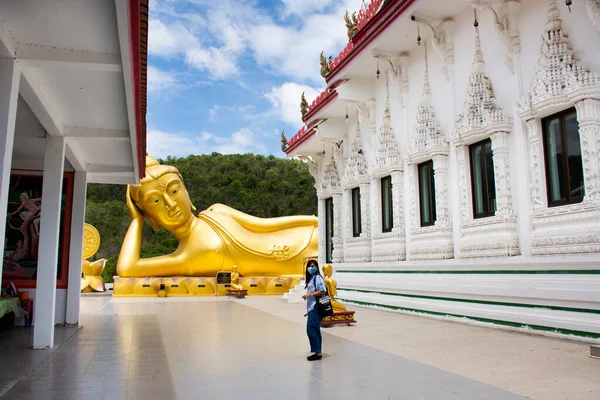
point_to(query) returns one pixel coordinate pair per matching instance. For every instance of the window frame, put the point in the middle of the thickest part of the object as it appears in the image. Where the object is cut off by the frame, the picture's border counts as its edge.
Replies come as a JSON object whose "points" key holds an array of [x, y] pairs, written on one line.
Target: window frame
{"points": [[490, 212], [356, 222], [387, 226], [432, 191], [565, 164], [329, 229]]}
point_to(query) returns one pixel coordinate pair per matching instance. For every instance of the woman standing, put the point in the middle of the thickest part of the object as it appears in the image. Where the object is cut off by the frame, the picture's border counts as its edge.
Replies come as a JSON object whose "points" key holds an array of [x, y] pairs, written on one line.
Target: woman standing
{"points": [[315, 287]]}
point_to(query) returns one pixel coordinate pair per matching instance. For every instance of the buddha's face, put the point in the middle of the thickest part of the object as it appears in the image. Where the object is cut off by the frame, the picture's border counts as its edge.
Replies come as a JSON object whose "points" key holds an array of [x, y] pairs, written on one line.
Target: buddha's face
{"points": [[327, 270], [166, 201]]}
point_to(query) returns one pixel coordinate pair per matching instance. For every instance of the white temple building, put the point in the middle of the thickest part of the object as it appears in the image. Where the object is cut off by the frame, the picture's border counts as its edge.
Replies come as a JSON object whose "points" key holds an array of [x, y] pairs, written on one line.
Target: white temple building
{"points": [[456, 157]]}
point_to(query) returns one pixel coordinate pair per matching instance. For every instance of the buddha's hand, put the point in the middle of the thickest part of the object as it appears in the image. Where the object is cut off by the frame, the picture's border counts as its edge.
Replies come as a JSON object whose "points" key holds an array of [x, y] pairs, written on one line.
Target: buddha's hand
{"points": [[134, 211]]}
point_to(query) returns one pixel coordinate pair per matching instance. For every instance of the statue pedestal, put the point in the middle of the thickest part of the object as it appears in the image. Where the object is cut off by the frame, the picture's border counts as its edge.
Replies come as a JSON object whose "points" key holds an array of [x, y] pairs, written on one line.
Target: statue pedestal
{"points": [[345, 317], [200, 286], [240, 294]]}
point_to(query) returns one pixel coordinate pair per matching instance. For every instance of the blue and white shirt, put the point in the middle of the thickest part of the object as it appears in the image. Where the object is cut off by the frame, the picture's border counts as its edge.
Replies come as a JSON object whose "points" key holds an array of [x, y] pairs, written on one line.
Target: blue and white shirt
{"points": [[315, 284]]}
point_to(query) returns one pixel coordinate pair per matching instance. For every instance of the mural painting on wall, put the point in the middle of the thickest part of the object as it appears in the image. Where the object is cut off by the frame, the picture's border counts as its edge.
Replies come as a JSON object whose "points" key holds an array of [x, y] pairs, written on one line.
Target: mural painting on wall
{"points": [[23, 227]]}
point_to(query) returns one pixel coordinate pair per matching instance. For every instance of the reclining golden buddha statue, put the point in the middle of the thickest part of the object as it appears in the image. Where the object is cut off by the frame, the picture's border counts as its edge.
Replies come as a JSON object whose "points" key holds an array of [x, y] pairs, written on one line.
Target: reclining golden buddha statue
{"points": [[215, 240]]}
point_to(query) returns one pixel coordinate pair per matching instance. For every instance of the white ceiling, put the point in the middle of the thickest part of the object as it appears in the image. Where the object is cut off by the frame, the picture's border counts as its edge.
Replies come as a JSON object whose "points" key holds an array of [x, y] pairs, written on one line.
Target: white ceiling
{"points": [[76, 83]]}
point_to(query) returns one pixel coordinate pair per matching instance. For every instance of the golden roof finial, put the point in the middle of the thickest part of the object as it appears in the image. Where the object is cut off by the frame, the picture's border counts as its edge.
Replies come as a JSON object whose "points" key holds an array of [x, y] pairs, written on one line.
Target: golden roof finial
{"points": [[325, 70], [284, 141], [303, 105], [351, 24]]}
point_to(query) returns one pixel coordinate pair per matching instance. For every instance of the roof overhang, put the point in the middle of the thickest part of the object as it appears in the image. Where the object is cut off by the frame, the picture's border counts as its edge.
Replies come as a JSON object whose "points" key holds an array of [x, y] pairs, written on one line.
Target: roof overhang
{"points": [[390, 33], [83, 65]]}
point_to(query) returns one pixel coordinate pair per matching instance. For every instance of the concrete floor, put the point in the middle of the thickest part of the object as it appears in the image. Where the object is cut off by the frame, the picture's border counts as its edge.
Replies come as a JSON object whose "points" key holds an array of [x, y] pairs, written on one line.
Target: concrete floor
{"points": [[217, 348], [17, 359]]}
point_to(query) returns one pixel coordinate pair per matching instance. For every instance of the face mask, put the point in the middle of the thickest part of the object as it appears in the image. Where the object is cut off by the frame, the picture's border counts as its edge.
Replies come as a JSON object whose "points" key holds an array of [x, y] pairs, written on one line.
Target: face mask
{"points": [[312, 270]]}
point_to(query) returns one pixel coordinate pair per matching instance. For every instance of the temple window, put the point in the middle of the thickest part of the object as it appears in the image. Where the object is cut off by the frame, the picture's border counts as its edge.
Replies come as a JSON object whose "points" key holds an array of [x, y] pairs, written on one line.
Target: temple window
{"points": [[387, 213], [356, 221], [427, 193], [329, 229], [483, 185], [562, 156]]}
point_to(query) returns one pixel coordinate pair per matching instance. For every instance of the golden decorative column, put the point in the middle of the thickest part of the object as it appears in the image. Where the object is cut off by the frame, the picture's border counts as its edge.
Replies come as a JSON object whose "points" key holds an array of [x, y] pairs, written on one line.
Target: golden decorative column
{"points": [[91, 279]]}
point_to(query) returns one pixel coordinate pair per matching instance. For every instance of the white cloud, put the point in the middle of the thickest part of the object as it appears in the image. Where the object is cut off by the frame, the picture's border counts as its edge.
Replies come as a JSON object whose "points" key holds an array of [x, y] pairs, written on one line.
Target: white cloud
{"points": [[297, 48], [213, 113], [213, 60], [240, 142], [286, 101], [162, 144], [168, 40], [304, 7], [229, 30], [211, 42], [161, 81]]}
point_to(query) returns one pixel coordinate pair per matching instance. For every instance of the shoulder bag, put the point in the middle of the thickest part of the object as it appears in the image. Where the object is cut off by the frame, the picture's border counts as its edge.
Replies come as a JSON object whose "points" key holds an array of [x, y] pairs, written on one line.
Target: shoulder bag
{"points": [[324, 305]]}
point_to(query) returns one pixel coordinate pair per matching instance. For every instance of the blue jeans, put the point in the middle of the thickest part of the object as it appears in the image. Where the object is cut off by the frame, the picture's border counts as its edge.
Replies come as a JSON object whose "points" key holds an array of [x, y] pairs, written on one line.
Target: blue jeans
{"points": [[313, 330]]}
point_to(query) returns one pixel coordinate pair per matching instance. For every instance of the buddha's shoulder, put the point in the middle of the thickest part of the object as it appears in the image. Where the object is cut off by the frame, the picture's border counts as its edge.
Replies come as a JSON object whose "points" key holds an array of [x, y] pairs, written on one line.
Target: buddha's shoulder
{"points": [[217, 207]]}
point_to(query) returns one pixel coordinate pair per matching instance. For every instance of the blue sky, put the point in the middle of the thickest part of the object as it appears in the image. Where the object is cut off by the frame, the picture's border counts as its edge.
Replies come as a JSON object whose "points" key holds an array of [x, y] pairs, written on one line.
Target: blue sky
{"points": [[227, 75]]}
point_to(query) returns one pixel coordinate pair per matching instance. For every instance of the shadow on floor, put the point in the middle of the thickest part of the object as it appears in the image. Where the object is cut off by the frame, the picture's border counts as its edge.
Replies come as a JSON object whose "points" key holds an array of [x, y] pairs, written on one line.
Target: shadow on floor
{"points": [[18, 357]]}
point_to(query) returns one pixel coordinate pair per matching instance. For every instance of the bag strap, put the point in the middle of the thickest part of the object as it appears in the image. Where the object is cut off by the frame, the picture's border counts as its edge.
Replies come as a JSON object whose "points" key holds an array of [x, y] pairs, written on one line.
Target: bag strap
{"points": [[326, 291]]}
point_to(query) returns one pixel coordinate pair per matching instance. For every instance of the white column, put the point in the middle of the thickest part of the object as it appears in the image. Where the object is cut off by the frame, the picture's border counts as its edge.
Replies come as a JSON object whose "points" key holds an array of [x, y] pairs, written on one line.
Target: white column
{"points": [[501, 152], [588, 116], [10, 77], [376, 206], [322, 233], [76, 247], [347, 209], [440, 168], [537, 183], [412, 215], [338, 231], [519, 159], [45, 296], [457, 193], [398, 201], [365, 210]]}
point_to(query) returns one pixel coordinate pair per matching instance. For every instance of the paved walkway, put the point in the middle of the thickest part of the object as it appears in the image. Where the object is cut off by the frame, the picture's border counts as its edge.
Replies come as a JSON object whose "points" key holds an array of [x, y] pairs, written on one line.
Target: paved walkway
{"points": [[17, 358], [217, 348]]}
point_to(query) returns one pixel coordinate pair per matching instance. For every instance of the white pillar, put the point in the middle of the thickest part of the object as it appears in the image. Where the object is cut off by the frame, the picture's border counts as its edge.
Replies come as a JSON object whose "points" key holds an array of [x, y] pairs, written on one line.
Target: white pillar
{"points": [[338, 230], [519, 164], [10, 77], [45, 296], [375, 207], [398, 200], [76, 247], [457, 172], [322, 215]]}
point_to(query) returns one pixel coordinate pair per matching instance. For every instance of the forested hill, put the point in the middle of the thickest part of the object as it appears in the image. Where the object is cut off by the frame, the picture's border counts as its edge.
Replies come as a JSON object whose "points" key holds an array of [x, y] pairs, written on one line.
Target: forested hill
{"points": [[261, 186]]}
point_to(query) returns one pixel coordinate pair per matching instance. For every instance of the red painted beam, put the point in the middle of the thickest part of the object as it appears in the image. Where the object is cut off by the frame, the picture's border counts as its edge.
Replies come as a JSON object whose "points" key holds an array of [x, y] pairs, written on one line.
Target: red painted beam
{"points": [[138, 34]]}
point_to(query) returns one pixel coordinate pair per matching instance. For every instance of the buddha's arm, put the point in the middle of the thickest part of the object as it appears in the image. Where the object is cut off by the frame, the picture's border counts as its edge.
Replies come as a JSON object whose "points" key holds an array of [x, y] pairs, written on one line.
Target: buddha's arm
{"points": [[256, 224], [131, 265], [330, 287]]}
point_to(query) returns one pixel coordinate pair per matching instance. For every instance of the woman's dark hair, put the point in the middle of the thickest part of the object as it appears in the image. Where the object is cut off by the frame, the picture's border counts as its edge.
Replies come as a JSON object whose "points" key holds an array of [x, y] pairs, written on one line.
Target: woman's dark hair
{"points": [[310, 263]]}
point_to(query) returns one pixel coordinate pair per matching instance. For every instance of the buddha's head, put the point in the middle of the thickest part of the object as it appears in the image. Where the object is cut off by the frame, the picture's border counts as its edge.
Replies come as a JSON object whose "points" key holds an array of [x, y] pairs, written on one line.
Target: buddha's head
{"points": [[162, 197], [327, 270]]}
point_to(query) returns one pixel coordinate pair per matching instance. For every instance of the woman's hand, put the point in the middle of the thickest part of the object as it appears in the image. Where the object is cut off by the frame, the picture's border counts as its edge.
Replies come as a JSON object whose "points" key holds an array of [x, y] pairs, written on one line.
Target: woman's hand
{"points": [[306, 296], [134, 211]]}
